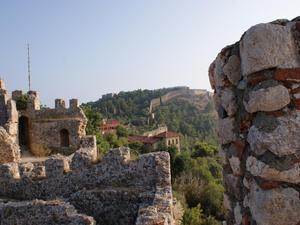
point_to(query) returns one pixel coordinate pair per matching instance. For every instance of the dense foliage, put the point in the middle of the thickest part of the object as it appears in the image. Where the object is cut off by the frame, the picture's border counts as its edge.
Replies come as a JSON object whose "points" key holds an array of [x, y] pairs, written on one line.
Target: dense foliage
{"points": [[196, 169]]}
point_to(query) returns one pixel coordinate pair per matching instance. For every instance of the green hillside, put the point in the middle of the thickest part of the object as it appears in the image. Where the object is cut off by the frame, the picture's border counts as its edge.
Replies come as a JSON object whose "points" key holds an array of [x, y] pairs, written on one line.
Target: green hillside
{"points": [[196, 169], [191, 116]]}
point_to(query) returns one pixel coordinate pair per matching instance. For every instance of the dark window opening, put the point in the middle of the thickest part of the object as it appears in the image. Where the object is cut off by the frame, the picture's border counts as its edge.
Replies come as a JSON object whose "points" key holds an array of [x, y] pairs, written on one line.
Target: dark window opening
{"points": [[24, 137], [64, 138]]}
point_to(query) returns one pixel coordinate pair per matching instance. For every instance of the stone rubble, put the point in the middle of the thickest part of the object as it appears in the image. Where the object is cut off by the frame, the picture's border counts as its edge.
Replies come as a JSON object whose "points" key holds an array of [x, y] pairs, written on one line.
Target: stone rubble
{"points": [[114, 191], [259, 124]]}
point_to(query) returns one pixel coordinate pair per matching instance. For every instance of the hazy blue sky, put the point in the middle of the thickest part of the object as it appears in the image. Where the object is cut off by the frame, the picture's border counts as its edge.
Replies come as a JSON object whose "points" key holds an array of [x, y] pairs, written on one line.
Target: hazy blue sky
{"points": [[85, 48]]}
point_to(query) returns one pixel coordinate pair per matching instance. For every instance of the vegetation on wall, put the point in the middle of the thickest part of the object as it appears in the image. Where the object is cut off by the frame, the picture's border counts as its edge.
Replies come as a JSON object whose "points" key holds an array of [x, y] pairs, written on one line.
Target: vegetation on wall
{"points": [[21, 102]]}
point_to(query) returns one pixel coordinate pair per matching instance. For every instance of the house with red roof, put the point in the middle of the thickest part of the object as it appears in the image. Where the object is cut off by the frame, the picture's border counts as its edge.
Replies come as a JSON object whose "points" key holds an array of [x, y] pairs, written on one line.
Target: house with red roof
{"points": [[109, 126], [169, 138]]}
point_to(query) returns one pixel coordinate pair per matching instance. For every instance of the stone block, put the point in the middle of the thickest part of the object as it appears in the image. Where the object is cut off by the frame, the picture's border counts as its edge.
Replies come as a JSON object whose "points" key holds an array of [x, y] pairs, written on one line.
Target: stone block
{"points": [[232, 69], [9, 171], [267, 46], [56, 166], [281, 138], [226, 130], [228, 101], [267, 99], [260, 169], [274, 207]]}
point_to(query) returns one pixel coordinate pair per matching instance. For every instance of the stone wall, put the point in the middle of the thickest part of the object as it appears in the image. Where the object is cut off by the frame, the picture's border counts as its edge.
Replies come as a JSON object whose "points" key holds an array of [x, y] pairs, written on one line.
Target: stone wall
{"points": [[257, 96], [116, 190], [45, 127]]}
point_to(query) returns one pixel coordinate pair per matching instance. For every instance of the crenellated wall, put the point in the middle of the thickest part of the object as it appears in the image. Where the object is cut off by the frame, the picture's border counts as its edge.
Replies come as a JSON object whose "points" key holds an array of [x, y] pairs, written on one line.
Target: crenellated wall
{"points": [[116, 190], [257, 96]]}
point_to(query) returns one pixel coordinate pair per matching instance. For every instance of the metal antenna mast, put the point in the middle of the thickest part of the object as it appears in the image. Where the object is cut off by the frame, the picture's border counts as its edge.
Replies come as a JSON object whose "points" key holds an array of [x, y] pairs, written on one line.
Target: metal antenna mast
{"points": [[28, 65]]}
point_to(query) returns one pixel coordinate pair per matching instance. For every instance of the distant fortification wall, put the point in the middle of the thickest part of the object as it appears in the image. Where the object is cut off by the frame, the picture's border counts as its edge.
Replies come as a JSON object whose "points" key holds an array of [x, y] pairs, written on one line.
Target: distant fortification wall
{"points": [[182, 91], [257, 96], [116, 190]]}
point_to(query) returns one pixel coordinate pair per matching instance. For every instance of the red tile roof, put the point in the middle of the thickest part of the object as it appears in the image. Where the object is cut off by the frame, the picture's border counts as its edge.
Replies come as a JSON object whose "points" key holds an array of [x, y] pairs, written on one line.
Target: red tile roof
{"points": [[110, 124], [167, 134], [143, 139]]}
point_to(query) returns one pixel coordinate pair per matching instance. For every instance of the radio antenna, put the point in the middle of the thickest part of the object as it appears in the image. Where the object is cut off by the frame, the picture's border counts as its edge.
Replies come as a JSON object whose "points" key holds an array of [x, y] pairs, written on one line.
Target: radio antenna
{"points": [[28, 67]]}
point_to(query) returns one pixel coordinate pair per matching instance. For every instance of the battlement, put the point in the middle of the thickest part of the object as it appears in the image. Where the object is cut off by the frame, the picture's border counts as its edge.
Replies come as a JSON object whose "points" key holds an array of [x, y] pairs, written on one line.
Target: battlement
{"points": [[146, 179]]}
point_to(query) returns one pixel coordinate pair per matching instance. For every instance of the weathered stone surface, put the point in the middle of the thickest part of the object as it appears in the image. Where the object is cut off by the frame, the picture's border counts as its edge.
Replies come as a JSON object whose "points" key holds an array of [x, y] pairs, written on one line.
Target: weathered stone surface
{"points": [[11, 125], [116, 182], [283, 140], [226, 202], [228, 101], [86, 155], [41, 212], [9, 171], [267, 99], [266, 46], [109, 206], [9, 150], [233, 184], [226, 130], [232, 69], [260, 134], [237, 214], [260, 169], [235, 165], [56, 166], [280, 206]]}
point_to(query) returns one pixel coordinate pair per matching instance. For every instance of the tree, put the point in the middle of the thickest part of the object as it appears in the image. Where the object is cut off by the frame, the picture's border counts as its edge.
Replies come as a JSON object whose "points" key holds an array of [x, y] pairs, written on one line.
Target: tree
{"points": [[193, 216], [94, 120], [203, 149], [122, 131]]}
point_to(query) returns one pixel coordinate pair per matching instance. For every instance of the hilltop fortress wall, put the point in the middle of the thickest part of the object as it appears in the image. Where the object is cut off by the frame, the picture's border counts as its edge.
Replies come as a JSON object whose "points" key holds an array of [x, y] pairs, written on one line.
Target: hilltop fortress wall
{"points": [[181, 91], [257, 96]]}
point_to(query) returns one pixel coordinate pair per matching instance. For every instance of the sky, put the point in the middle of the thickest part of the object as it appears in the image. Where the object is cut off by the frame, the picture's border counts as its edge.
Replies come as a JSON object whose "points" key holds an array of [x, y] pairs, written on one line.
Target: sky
{"points": [[86, 48]]}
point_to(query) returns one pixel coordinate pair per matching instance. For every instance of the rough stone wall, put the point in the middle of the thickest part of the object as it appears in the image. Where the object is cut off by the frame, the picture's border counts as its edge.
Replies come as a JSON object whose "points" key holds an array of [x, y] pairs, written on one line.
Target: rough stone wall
{"points": [[41, 212], [45, 124], [257, 96], [116, 190], [45, 127]]}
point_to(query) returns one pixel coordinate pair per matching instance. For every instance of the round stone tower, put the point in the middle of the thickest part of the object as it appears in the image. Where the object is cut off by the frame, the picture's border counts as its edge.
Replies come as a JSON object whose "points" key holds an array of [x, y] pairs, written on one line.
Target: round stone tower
{"points": [[257, 95]]}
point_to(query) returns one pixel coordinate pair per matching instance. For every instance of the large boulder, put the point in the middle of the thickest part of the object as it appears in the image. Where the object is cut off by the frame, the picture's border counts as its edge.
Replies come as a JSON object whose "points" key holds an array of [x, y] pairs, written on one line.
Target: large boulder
{"points": [[279, 206], [267, 46], [9, 150]]}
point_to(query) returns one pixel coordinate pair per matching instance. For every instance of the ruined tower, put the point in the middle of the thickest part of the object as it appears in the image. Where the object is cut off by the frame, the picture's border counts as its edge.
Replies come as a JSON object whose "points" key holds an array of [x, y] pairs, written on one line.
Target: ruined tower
{"points": [[257, 96]]}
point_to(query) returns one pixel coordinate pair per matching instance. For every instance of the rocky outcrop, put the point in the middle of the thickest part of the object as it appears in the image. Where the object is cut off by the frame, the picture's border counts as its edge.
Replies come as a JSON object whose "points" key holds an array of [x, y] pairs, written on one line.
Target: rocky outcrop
{"points": [[257, 97], [9, 150]]}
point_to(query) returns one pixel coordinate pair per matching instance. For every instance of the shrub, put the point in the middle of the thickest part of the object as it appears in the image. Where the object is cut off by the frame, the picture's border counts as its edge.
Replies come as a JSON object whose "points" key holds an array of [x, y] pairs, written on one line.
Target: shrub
{"points": [[193, 216], [21, 102]]}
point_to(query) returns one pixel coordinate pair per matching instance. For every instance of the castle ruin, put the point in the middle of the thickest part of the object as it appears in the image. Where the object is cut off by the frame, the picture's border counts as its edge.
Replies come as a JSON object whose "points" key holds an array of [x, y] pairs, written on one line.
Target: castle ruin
{"points": [[40, 131], [257, 96], [71, 185]]}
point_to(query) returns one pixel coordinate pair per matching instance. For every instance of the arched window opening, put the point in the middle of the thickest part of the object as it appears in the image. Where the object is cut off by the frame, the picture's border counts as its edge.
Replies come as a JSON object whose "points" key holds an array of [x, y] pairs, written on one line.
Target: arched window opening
{"points": [[64, 138]]}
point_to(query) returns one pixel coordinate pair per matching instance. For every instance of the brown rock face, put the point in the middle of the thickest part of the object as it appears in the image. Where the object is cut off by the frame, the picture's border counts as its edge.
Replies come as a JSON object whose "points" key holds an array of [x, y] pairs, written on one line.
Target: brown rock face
{"points": [[9, 150], [259, 130]]}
